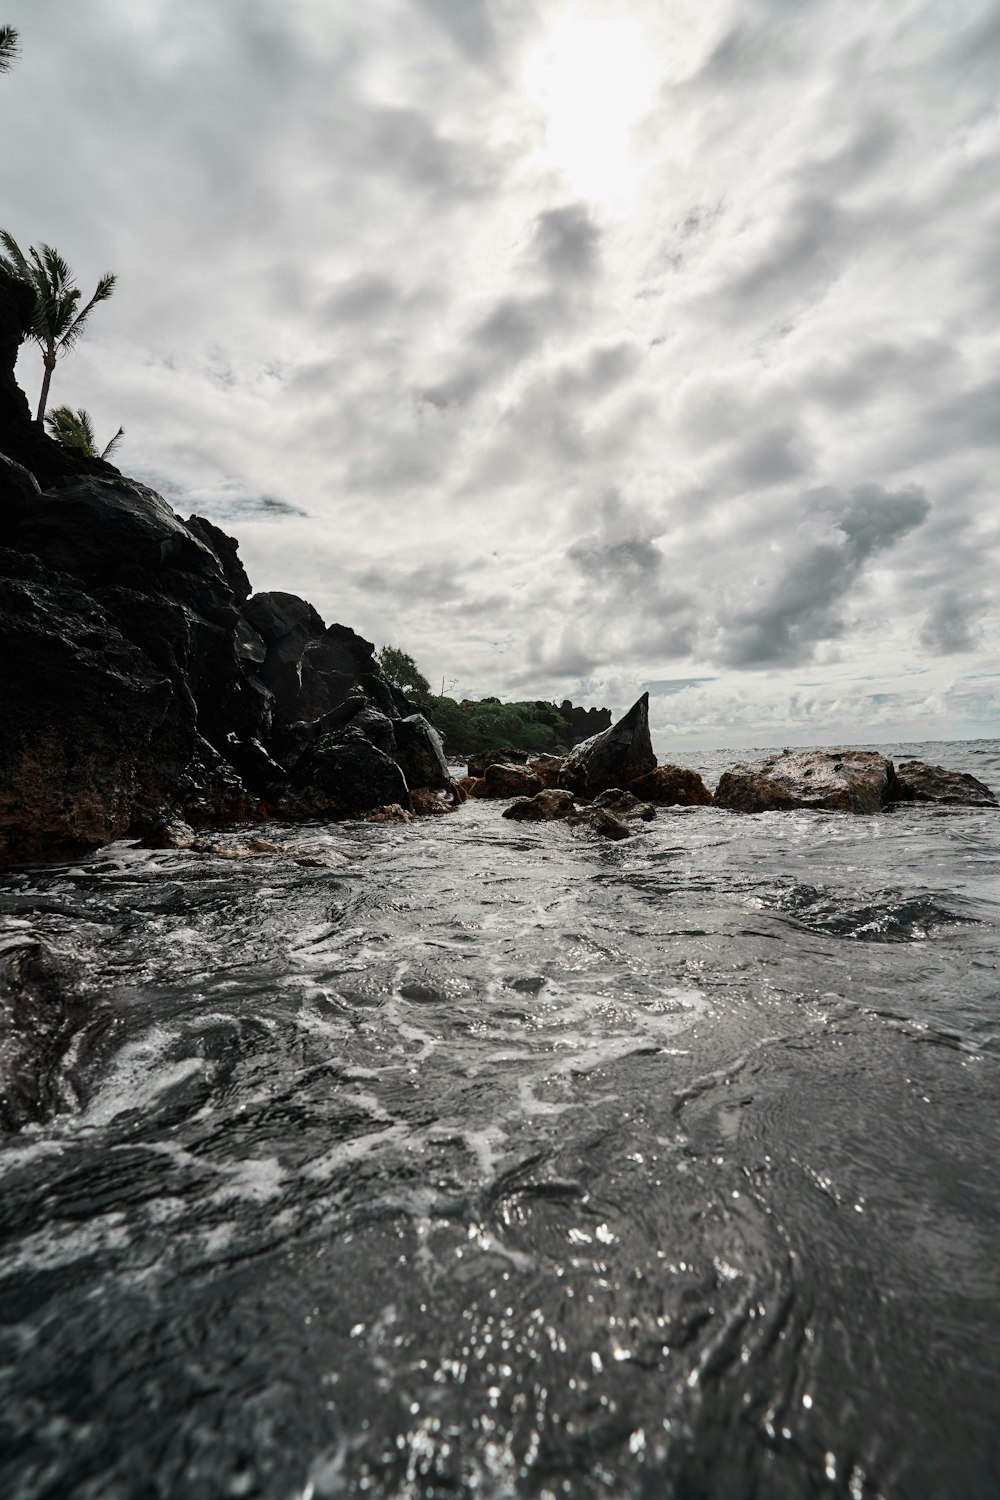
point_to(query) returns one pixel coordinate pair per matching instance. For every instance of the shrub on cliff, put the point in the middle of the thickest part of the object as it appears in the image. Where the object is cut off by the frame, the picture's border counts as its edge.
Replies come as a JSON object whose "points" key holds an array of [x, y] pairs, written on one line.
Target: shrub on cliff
{"points": [[75, 430], [8, 48]]}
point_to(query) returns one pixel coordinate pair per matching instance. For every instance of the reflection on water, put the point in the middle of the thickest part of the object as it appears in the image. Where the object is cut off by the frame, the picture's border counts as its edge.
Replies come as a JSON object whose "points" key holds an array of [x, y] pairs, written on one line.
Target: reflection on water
{"points": [[468, 1159]]}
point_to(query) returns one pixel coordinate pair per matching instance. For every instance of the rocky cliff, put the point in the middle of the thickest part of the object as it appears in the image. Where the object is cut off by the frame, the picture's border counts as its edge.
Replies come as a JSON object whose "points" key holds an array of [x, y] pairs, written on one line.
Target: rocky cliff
{"points": [[141, 678]]}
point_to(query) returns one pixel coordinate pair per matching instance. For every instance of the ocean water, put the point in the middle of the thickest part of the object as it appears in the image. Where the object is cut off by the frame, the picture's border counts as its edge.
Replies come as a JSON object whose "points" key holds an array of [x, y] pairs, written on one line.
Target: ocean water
{"points": [[472, 1158]]}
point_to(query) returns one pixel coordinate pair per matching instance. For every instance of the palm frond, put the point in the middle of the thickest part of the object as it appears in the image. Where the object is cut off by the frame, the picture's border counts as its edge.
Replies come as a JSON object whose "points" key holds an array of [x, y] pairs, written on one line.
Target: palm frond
{"points": [[114, 442], [71, 429], [9, 48], [74, 322]]}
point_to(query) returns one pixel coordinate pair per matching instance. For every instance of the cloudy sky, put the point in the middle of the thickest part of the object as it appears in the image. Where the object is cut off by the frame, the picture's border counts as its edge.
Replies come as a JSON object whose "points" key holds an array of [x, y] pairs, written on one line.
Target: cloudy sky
{"points": [[576, 348]]}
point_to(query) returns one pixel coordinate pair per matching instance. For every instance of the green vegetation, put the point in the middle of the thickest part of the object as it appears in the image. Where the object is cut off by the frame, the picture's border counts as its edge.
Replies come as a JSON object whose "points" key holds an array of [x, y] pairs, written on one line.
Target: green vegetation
{"points": [[491, 725], [486, 724], [9, 48], [74, 430], [403, 672], [56, 324]]}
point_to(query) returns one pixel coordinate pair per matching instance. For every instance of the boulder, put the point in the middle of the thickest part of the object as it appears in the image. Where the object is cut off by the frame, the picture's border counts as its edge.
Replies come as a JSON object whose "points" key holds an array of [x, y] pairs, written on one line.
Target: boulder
{"points": [[601, 820], [543, 807], [420, 753], [858, 781], [483, 758], [506, 781], [672, 786], [625, 805], [613, 758], [917, 782], [344, 775], [548, 769]]}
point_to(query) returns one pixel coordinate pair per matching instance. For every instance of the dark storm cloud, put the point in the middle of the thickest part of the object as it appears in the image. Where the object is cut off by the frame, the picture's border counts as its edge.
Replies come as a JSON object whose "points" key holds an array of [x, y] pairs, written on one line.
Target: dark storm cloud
{"points": [[616, 563], [953, 623], [780, 618]]}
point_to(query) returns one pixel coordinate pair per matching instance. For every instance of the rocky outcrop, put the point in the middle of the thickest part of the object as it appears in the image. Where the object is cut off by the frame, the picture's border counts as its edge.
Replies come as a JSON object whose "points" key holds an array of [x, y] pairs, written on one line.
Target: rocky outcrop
{"points": [[583, 723], [613, 758], [625, 805], [143, 684], [506, 781], [857, 781], [544, 807], [477, 763], [917, 782], [672, 786]]}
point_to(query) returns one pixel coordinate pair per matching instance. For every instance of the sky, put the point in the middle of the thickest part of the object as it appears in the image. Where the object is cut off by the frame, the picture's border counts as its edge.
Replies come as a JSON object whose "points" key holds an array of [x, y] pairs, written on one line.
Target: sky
{"points": [[578, 349]]}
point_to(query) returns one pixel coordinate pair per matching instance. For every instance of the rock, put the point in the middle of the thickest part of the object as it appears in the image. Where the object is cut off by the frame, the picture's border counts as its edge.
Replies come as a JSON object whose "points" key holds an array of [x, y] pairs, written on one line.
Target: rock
{"points": [[377, 727], [168, 833], [343, 775], [478, 763], [470, 785], [613, 758], [391, 814], [110, 530], [917, 782], [506, 781], [420, 753], [257, 770], [548, 769], [583, 723], [429, 803], [600, 820], [625, 805], [672, 786], [83, 711], [544, 807], [858, 781], [42, 1009], [226, 549]]}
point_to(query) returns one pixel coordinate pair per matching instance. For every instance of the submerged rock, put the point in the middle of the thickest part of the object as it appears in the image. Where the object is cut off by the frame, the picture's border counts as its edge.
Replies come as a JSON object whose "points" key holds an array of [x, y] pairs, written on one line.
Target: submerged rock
{"points": [[601, 820], [857, 781], [613, 758], [544, 807], [625, 805], [672, 786], [918, 782]]}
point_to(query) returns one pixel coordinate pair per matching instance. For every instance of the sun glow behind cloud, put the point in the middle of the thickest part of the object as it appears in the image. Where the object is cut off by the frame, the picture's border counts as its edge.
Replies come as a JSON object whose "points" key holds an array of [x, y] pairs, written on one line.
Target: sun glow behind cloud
{"points": [[592, 81]]}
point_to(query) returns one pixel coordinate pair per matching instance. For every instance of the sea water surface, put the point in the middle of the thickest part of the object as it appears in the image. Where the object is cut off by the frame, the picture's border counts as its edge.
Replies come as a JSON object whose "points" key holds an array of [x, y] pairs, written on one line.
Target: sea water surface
{"points": [[472, 1158]]}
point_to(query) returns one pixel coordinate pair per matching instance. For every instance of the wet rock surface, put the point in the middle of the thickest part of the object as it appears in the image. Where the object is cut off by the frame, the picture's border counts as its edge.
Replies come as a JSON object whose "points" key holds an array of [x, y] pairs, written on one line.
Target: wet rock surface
{"points": [[857, 781], [614, 757], [915, 781], [672, 786]]}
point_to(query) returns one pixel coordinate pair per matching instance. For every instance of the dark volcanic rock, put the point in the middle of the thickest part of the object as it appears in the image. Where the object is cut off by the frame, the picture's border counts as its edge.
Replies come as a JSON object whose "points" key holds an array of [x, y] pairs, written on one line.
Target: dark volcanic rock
{"points": [[601, 820], [672, 786], [41, 1011], [420, 753], [858, 781], [613, 758], [226, 549], [917, 782], [342, 775], [81, 735]]}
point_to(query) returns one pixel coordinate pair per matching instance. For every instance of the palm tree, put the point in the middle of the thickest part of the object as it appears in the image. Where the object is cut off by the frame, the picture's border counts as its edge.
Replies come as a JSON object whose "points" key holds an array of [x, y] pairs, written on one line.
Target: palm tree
{"points": [[8, 48], [74, 430], [56, 324]]}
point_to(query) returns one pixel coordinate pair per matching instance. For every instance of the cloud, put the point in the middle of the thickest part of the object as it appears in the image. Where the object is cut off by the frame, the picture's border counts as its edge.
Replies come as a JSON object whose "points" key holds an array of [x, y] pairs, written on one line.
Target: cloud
{"points": [[554, 440]]}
